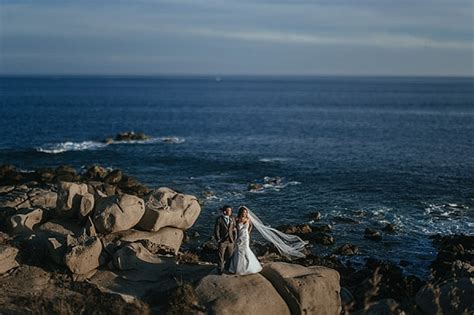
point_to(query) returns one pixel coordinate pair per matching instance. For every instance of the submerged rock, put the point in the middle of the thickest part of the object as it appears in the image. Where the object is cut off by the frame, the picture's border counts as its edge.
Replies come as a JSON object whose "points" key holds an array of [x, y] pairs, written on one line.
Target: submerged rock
{"points": [[347, 250], [372, 234]]}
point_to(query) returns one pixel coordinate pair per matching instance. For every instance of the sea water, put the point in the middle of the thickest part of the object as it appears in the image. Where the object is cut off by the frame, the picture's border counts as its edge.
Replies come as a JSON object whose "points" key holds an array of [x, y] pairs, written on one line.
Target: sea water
{"points": [[377, 150]]}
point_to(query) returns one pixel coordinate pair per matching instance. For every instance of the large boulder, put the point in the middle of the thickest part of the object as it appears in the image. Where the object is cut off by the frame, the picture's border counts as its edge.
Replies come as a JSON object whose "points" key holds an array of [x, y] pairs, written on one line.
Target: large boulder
{"points": [[7, 258], [165, 207], [306, 290], [251, 294], [166, 239], [134, 256], [74, 199], [83, 256], [24, 221], [453, 296], [118, 213]]}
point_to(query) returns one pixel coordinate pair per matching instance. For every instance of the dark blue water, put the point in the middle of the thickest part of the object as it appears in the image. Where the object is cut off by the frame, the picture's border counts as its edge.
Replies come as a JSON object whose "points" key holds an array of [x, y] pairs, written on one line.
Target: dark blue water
{"points": [[398, 150]]}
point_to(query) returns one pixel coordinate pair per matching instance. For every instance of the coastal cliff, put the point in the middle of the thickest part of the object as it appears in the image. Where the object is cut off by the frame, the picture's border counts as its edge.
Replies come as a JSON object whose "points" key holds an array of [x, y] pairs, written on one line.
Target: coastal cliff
{"points": [[101, 241]]}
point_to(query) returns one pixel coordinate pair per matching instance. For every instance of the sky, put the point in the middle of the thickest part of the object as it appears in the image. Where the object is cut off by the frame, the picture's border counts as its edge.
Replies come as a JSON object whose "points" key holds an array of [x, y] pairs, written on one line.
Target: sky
{"points": [[219, 37]]}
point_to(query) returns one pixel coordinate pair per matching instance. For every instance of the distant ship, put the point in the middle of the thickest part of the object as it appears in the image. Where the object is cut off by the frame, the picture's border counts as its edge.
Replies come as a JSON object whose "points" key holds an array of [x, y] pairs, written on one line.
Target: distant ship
{"points": [[218, 79]]}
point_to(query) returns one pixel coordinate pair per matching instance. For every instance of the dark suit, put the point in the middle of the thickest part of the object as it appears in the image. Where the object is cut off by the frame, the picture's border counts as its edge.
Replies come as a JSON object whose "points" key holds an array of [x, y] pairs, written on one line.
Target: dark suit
{"points": [[225, 235]]}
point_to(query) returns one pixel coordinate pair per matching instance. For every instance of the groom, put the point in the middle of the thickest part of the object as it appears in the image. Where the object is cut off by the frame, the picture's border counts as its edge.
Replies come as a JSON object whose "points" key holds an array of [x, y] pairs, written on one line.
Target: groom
{"points": [[225, 233]]}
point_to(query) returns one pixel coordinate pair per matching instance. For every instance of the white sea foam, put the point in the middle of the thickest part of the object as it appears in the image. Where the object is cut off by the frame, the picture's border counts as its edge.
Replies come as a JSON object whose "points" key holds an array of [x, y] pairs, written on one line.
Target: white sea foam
{"points": [[273, 160], [61, 147], [70, 146]]}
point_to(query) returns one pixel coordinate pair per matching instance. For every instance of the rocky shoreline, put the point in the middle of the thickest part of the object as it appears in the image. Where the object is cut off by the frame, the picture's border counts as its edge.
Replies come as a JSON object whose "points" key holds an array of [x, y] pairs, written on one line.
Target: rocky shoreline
{"points": [[101, 241]]}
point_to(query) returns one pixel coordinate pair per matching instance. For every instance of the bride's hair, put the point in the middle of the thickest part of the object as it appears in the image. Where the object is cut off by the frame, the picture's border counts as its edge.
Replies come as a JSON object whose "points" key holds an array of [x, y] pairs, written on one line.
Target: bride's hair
{"points": [[241, 211]]}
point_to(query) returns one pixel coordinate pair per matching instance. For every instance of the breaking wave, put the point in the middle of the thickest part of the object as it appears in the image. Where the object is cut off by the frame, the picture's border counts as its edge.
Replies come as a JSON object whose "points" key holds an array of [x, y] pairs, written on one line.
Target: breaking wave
{"points": [[66, 146]]}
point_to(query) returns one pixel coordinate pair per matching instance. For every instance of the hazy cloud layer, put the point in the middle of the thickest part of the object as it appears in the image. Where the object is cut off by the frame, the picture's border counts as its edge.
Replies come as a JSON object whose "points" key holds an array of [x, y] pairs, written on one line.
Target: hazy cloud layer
{"points": [[243, 37]]}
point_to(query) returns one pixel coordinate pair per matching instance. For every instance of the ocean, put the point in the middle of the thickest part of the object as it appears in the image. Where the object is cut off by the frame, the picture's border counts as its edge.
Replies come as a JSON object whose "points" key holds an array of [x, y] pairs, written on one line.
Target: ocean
{"points": [[376, 150]]}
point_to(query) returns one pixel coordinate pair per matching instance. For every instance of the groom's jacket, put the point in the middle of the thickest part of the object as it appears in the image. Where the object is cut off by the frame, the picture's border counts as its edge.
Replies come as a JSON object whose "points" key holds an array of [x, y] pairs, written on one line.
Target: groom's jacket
{"points": [[225, 232]]}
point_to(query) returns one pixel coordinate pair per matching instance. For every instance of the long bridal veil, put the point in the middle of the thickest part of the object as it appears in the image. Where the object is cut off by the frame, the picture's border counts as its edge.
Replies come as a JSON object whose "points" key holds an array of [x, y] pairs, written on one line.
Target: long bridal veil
{"points": [[289, 245]]}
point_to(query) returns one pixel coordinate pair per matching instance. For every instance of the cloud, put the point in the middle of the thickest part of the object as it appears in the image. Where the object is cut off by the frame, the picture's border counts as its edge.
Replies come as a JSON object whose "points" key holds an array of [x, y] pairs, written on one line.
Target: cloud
{"points": [[379, 40]]}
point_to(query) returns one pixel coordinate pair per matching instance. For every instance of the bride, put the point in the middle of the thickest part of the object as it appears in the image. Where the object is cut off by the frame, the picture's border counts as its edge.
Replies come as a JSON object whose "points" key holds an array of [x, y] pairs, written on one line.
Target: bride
{"points": [[244, 261]]}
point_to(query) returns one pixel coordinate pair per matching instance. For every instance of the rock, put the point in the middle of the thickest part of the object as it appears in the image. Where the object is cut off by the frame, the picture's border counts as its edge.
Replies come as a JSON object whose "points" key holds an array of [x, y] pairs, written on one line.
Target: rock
{"points": [[255, 187], [57, 229], [131, 186], [320, 238], [250, 294], [382, 307], [57, 249], [455, 256], [390, 228], [134, 256], [316, 216], [7, 258], [24, 197], [347, 300], [24, 221], [188, 258], [97, 173], [118, 213], [372, 234], [313, 290], [295, 229], [9, 175], [45, 175], [113, 177], [166, 239], [42, 198], [165, 207], [131, 136], [347, 250], [82, 258], [65, 173], [74, 199], [324, 228], [450, 297]]}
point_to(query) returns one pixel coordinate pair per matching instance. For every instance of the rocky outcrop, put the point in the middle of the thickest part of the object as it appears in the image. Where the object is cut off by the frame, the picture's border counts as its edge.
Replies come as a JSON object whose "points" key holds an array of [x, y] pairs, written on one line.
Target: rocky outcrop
{"points": [[165, 207], [313, 290], [251, 294], [118, 213], [7, 258]]}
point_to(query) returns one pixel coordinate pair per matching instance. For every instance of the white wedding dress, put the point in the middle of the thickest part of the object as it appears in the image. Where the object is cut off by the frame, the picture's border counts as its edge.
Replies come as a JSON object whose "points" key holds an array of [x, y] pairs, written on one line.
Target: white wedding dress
{"points": [[244, 261]]}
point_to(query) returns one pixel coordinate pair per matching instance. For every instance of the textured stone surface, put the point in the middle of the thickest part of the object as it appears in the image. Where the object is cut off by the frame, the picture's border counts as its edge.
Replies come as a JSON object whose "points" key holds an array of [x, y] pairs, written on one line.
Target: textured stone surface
{"points": [[118, 213], [229, 294], [165, 207], [306, 290]]}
